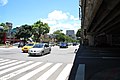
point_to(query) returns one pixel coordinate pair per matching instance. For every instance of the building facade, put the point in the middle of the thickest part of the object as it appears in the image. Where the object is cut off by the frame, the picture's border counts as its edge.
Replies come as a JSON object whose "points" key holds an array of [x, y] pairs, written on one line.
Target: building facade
{"points": [[71, 33]]}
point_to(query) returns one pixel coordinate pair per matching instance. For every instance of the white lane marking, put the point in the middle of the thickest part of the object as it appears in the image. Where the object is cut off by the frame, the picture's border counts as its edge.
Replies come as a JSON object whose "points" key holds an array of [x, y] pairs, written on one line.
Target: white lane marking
{"points": [[8, 62], [8, 76], [4, 60], [49, 72], [65, 72], [1, 59], [11, 64], [80, 72], [18, 66], [29, 75]]}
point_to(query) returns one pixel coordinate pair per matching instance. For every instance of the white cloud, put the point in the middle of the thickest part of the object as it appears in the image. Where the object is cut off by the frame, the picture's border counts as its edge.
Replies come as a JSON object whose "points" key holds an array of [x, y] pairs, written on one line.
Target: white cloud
{"points": [[57, 15], [73, 18], [3, 2], [48, 21], [59, 20]]}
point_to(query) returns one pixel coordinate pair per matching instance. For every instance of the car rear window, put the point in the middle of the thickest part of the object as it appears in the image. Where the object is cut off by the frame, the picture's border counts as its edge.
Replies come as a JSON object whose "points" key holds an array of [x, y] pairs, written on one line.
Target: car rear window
{"points": [[29, 44], [38, 46]]}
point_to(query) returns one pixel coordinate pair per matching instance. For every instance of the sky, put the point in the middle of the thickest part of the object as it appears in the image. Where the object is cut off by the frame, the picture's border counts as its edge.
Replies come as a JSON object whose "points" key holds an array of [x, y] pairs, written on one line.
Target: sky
{"points": [[59, 14]]}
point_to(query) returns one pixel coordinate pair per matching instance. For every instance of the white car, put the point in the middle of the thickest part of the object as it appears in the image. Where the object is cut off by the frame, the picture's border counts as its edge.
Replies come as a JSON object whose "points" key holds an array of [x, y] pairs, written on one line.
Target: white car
{"points": [[39, 49]]}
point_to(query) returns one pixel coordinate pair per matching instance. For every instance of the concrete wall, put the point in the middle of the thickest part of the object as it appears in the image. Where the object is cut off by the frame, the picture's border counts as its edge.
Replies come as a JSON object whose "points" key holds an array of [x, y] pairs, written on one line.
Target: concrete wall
{"points": [[100, 22]]}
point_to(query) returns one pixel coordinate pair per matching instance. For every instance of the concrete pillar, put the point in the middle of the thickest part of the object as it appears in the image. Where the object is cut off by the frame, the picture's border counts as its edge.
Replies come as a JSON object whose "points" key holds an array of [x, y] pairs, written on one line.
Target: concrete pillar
{"points": [[109, 39], [91, 40]]}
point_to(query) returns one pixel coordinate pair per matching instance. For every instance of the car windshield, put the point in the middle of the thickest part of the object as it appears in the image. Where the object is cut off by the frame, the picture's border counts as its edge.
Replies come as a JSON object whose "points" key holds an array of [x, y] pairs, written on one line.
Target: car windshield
{"points": [[38, 46], [63, 43], [29, 44]]}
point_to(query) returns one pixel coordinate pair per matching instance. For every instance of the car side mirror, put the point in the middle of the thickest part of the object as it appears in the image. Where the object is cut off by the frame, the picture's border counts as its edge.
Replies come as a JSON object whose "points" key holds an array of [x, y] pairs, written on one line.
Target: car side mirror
{"points": [[46, 45]]}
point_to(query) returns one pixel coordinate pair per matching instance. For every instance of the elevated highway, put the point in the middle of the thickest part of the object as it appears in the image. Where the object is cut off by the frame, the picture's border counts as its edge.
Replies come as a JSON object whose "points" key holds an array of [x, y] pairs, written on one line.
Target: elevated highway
{"points": [[98, 57], [100, 22]]}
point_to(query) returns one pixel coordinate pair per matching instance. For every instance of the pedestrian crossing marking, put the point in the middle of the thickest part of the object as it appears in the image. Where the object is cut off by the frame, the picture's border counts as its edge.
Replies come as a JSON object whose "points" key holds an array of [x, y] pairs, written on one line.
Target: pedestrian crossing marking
{"points": [[1, 59], [4, 60], [80, 72], [25, 70], [15, 67], [8, 62], [2, 67], [50, 72], [27, 76], [19, 71], [65, 72]]}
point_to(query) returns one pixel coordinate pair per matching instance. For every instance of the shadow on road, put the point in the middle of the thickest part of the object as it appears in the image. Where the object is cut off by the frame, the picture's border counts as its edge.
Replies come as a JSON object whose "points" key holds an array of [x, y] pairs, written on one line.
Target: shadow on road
{"points": [[101, 63]]}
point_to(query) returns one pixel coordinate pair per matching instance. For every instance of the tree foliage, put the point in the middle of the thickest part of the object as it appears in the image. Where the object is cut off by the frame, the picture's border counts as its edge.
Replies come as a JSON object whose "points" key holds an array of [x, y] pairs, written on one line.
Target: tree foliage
{"points": [[68, 39], [39, 28], [5, 27], [24, 31], [61, 37], [78, 33], [58, 32]]}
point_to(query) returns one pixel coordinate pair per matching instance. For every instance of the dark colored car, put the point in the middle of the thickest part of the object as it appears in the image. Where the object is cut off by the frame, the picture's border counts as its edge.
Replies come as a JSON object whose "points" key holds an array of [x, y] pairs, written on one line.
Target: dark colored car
{"points": [[74, 43], [21, 44], [63, 45]]}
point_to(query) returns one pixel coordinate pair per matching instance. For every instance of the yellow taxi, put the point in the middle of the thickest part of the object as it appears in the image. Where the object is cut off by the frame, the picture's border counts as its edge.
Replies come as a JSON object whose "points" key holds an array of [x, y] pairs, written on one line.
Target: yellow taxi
{"points": [[27, 47]]}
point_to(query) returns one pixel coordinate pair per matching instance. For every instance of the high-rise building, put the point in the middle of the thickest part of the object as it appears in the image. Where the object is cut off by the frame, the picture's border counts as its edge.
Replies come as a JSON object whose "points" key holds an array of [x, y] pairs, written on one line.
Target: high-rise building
{"points": [[71, 33]]}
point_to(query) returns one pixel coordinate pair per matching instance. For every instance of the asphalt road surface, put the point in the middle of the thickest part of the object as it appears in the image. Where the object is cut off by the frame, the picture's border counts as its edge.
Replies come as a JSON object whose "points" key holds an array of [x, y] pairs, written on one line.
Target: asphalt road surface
{"points": [[15, 65]]}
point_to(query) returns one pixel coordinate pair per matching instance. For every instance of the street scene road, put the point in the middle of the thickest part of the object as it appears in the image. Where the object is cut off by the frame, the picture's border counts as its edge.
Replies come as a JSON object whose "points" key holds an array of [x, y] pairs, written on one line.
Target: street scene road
{"points": [[16, 65]]}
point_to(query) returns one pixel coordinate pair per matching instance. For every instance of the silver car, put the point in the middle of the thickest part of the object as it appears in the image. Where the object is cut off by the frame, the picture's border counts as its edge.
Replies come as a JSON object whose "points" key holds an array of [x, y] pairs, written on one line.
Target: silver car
{"points": [[40, 49]]}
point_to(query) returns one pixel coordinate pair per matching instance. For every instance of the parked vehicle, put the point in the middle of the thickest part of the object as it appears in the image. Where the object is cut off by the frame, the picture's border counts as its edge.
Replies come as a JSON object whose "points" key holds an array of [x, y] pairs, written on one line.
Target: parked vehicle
{"points": [[63, 45], [40, 49]]}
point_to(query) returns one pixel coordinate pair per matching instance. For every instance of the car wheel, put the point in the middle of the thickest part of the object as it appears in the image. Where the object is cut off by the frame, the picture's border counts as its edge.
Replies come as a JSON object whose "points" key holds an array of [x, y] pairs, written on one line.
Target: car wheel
{"points": [[42, 53], [49, 52]]}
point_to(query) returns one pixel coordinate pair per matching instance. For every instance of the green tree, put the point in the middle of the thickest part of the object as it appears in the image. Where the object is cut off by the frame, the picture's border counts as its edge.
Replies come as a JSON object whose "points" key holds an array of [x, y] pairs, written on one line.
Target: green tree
{"points": [[5, 27], [3, 31], [58, 32], [59, 35], [78, 33], [24, 31], [68, 39], [39, 28]]}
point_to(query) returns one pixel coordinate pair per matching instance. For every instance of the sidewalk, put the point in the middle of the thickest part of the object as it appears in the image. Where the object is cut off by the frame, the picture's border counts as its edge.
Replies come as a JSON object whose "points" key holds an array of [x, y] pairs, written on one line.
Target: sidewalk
{"points": [[3, 46], [95, 63], [8, 46]]}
